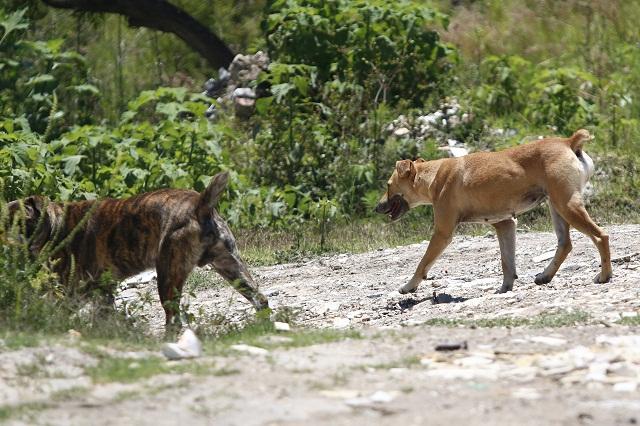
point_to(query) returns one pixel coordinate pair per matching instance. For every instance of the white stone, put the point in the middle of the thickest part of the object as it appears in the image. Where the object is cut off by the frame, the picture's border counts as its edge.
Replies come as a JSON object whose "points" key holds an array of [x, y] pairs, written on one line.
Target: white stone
{"points": [[550, 341], [402, 131], [340, 393], [251, 350], [341, 322], [619, 341], [281, 326], [625, 387], [457, 151], [382, 396]]}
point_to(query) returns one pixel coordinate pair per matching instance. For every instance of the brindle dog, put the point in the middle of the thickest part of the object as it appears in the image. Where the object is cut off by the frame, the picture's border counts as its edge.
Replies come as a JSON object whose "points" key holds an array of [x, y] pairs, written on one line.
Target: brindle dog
{"points": [[172, 230]]}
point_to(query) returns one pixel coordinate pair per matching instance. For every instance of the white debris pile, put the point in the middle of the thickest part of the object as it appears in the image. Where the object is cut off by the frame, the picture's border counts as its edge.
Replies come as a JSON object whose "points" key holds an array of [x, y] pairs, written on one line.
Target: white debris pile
{"points": [[612, 361], [436, 125]]}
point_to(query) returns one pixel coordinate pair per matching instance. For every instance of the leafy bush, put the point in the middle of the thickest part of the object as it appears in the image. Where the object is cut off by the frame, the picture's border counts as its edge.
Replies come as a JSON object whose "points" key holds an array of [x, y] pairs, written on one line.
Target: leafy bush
{"points": [[389, 49], [34, 73]]}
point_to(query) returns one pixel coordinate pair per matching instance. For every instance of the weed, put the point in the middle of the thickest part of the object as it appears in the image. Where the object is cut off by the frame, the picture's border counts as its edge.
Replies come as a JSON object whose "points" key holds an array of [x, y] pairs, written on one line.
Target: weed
{"points": [[559, 319], [630, 321]]}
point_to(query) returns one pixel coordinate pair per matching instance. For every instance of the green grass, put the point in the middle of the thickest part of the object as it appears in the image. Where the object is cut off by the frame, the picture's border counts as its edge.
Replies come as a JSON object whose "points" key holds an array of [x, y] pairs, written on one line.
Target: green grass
{"points": [[630, 321], [553, 320], [8, 412], [17, 340]]}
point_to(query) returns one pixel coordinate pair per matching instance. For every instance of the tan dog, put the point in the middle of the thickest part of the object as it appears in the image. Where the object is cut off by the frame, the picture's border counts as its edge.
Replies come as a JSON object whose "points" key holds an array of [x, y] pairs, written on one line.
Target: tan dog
{"points": [[492, 188]]}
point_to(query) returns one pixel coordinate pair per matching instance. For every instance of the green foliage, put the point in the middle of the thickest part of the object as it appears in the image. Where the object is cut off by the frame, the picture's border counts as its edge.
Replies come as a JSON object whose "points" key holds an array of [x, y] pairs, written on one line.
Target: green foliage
{"points": [[389, 49], [32, 73]]}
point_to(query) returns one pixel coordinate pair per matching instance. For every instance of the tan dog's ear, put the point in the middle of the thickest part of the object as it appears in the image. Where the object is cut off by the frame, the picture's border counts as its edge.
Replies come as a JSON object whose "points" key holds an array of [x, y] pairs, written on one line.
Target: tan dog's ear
{"points": [[405, 169]]}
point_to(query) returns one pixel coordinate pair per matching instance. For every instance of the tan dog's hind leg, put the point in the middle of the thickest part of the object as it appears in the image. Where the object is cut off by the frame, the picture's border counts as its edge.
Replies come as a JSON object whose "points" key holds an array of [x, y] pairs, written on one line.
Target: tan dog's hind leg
{"points": [[561, 228], [442, 236], [572, 210], [506, 232]]}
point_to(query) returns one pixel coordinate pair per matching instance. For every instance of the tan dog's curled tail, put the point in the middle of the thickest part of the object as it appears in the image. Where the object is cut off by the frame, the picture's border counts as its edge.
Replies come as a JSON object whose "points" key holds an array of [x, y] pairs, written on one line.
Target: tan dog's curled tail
{"points": [[578, 139]]}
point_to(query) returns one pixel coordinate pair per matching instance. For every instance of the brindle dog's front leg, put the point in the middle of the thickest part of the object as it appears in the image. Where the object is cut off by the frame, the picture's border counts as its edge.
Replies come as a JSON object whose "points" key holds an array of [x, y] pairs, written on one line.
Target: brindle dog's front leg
{"points": [[173, 267], [442, 236], [506, 232]]}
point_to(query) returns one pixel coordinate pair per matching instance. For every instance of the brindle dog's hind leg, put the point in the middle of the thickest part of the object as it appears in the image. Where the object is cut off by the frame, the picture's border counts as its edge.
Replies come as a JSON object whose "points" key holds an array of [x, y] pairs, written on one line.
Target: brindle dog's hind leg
{"points": [[506, 232], [561, 227]]}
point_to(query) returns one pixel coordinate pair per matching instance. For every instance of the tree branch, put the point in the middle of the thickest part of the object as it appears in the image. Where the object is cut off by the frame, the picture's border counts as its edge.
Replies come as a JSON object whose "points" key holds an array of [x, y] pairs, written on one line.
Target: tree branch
{"points": [[159, 15]]}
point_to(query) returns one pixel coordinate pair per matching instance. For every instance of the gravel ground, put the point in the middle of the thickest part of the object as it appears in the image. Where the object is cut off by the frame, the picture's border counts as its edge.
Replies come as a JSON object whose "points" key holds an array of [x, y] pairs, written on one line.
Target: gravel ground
{"points": [[531, 374]]}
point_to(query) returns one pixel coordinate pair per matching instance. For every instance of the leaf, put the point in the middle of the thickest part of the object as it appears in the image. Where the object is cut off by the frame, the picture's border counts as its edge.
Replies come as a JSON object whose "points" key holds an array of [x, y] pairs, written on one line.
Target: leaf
{"points": [[85, 88], [71, 164], [281, 90], [13, 22]]}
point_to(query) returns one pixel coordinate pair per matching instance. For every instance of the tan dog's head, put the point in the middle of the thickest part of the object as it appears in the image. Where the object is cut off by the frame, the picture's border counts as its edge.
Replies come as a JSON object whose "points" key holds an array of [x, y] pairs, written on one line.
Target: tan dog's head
{"points": [[401, 194]]}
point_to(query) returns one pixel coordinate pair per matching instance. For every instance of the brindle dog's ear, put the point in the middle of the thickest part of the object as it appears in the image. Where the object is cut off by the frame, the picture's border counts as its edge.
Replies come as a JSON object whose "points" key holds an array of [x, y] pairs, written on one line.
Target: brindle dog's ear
{"points": [[405, 169], [33, 206], [209, 197]]}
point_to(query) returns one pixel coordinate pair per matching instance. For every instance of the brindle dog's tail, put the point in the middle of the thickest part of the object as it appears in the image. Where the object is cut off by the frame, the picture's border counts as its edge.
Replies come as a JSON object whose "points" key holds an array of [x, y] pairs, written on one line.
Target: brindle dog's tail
{"points": [[578, 139], [210, 196]]}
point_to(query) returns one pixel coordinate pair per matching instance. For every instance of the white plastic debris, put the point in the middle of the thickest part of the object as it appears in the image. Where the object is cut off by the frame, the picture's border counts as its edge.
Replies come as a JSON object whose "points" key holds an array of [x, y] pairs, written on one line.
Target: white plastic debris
{"points": [[545, 256], [188, 346]]}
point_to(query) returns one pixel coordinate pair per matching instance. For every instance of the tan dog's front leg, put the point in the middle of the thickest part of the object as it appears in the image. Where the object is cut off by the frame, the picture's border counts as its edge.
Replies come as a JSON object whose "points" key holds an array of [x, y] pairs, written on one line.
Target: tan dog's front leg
{"points": [[506, 232], [441, 238]]}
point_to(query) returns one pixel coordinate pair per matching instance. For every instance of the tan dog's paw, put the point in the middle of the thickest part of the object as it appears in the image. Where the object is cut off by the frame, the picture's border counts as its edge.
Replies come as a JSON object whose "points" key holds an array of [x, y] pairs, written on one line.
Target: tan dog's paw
{"points": [[600, 278], [410, 287]]}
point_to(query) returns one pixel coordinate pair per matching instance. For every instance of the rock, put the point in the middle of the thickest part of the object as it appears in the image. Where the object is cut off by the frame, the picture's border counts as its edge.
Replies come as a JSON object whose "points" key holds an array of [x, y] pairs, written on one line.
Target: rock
{"points": [[141, 278], [281, 326], [340, 393], [246, 68], [188, 346], [625, 387], [341, 322], [451, 373], [526, 393], [619, 341], [382, 396], [401, 132], [252, 350], [550, 341]]}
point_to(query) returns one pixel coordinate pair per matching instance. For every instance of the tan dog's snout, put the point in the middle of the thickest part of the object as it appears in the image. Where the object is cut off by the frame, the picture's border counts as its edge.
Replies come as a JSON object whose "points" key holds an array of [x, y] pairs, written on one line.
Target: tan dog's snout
{"points": [[395, 207]]}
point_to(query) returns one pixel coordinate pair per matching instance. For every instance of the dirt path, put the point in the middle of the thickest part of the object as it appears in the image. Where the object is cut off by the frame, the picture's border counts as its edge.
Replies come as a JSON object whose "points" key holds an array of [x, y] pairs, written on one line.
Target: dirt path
{"points": [[541, 372]]}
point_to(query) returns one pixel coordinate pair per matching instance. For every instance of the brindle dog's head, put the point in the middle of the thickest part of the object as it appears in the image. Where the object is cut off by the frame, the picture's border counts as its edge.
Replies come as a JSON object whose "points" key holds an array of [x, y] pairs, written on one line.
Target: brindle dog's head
{"points": [[401, 194], [38, 219]]}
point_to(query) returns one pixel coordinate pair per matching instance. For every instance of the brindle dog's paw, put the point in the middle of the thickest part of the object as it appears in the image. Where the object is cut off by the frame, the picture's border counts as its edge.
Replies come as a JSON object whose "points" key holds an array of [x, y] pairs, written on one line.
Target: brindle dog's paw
{"points": [[542, 279], [503, 289], [601, 280]]}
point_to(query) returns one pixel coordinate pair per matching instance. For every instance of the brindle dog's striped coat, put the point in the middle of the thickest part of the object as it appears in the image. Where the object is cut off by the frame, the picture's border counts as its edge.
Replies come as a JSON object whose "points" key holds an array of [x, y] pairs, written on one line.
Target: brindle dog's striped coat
{"points": [[172, 230]]}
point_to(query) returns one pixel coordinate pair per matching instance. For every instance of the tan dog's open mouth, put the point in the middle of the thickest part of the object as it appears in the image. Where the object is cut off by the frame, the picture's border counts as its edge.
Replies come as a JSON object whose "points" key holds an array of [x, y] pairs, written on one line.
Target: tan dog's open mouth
{"points": [[394, 207]]}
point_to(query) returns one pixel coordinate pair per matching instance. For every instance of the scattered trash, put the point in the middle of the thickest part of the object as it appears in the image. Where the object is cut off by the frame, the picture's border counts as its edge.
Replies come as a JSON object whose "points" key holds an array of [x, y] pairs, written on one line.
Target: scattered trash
{"points": [[452, 346], [545, 256], [188, 346]]}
